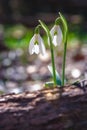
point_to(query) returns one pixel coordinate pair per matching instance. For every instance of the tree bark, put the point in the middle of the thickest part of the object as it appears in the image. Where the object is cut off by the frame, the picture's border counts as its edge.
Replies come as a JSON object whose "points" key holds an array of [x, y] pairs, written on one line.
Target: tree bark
{"points": [[47, 109]]}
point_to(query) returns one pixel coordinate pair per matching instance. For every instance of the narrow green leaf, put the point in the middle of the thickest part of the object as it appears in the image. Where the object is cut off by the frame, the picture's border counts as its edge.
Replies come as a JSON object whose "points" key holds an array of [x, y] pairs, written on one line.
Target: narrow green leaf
{"points": [[49, 84], [46, 29]]}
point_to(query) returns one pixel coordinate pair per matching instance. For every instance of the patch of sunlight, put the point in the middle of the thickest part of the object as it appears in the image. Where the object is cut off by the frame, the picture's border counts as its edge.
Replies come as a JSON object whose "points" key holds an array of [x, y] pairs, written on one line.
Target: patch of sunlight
{"points": [[31, 69], [75, 73]]}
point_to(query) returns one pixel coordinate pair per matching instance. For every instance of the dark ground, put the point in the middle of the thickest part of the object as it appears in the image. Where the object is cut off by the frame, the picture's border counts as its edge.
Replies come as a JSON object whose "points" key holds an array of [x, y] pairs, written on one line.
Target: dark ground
{"points": [[47, 109]]}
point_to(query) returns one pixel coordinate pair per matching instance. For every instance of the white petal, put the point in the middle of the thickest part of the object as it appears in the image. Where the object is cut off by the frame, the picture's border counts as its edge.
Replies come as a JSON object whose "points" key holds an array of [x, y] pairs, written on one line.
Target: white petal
{"points": [[52, 31], [55, 40], [59, 36], [36, 37], [41, 45], [31, 44], [42, 48], [39, 38], [36, 49]]}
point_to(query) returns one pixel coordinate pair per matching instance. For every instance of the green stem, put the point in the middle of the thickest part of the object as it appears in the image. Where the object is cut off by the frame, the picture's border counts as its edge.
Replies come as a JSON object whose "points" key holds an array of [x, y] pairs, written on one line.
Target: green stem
{"points": [[64, 60], [37, 29], [65, 27], [44, 26], [52, 58]]}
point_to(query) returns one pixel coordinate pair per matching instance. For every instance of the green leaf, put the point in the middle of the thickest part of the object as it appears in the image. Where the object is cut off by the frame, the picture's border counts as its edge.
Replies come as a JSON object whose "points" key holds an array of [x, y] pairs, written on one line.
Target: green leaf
{"points": [[49, 84], [58, 79]]}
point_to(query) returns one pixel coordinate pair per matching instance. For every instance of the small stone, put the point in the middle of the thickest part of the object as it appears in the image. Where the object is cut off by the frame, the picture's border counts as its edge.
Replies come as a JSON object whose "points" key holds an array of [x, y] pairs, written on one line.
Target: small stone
{"points": [[31, 69], [6, 62], [12, 55], [19, 52], [10, 84]]}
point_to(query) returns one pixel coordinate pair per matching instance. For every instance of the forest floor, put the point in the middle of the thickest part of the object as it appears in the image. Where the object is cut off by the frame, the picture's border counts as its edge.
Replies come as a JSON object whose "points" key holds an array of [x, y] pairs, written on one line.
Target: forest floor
{"points": [[20, 72], [26, 104]]}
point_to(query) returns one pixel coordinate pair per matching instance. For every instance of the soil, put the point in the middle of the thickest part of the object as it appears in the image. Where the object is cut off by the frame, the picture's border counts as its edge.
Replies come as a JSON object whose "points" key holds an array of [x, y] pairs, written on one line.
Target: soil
{"points": [[62, 108]]}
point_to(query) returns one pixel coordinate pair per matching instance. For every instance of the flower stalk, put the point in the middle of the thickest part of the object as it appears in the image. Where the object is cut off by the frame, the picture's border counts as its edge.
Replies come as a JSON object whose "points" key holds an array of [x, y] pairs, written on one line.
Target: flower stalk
{"points": [[65, 27], [51, 49], [63, 65], [52, 58]]}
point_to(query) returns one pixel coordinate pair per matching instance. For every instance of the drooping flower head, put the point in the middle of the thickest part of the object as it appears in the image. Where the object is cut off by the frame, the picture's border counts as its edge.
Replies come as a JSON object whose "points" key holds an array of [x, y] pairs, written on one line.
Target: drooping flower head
{"points": [[56, 34], [36, 45]]}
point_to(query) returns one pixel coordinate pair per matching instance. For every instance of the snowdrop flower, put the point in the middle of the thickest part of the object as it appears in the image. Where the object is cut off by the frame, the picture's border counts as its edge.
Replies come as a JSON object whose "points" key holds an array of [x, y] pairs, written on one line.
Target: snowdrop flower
{"points": [[56, 34], [37, 45]]}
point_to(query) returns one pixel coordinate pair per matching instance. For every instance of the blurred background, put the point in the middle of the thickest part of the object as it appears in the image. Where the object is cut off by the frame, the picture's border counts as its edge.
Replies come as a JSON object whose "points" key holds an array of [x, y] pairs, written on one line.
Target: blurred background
{"points": [[21, 72]]}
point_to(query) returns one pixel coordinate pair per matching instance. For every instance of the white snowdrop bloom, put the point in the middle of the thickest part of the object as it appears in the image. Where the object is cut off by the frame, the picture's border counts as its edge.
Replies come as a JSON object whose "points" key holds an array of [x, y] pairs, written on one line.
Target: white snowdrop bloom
{"points": [[57, 35], [36, 45]]}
